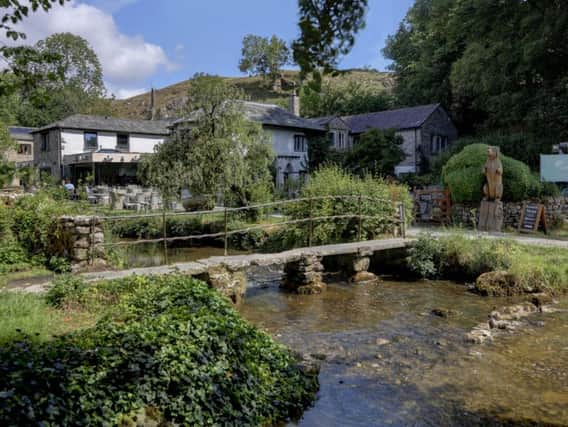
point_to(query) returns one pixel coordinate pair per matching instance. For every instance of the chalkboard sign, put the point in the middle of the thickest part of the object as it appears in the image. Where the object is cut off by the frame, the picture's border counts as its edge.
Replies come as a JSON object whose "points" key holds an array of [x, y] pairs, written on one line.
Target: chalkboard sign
{"points": [[532, 216]]}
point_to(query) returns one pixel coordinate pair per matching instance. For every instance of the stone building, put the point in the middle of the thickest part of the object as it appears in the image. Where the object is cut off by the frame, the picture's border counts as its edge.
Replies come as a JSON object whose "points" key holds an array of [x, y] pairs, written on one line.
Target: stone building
{"points": [[23, 153], [426, 130]]}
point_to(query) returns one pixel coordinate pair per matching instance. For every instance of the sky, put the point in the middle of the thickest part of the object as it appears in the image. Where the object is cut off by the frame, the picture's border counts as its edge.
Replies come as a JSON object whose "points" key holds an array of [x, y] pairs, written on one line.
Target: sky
{"points": [[155, 43]]}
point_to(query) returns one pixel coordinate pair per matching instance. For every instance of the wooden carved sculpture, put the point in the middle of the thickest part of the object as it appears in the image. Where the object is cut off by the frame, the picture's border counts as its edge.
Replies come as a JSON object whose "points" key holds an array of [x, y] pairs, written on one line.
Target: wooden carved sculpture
{"points": [[493, 170]]}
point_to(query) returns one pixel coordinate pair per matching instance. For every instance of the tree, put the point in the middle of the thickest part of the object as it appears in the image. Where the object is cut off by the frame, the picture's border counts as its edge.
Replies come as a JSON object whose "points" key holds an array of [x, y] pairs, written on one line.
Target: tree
{"points": [[218, 151], [58, 77], [376, 153], [16, 10], [327, 30], [263, 56], [497, 65], [343, 100]]}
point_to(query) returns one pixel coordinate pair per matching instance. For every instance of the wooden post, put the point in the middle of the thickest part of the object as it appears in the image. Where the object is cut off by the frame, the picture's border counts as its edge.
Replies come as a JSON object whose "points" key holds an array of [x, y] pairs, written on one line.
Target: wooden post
{"points": [[165, 236], [226, 230], [402, 220], [310, 224], [360, 233]]}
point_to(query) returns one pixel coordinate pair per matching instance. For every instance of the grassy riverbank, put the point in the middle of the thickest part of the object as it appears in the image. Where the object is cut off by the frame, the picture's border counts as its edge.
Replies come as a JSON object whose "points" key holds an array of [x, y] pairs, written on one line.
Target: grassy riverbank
{"points": [[166, 348], [529, 268]]}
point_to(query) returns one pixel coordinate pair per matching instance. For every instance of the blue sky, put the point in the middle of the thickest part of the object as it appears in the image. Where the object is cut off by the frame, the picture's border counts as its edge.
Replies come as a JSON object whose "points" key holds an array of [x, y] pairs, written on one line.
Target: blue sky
{"points": [[145, 43]]}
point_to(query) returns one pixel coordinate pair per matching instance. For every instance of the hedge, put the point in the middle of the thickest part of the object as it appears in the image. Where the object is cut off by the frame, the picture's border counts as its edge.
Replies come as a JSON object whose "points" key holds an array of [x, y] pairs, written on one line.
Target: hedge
{"points": [[171, 347], [464, 177]]}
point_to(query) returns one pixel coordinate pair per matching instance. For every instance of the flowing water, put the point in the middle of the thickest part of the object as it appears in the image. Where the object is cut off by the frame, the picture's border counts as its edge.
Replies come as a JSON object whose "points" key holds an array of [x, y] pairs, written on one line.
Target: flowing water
{"points": [[389, 361]]}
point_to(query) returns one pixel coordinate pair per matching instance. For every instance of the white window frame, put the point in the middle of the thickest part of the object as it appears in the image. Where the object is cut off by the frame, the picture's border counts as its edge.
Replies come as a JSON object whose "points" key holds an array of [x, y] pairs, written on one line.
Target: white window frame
{"points": [[300, 145]]}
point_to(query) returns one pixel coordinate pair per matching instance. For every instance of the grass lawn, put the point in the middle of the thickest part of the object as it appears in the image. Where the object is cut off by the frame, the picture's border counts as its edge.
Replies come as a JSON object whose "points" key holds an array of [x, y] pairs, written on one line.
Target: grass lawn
{"points": [[30, 273], [30, 314]]}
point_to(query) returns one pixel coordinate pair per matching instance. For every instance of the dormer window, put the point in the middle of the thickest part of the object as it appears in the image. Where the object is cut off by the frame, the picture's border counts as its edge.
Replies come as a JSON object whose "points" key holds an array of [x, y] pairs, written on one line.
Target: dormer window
{"points": [[91, 141], [122, 142]]}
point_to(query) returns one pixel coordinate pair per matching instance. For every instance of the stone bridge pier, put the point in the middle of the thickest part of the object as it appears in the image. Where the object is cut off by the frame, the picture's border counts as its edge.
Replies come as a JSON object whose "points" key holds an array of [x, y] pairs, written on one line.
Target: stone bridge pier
{"points": [[304, 275]]}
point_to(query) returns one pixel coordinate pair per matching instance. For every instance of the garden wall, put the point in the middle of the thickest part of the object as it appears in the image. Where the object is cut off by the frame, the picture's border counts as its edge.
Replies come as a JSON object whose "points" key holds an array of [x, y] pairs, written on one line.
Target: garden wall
{"points": [[79, 234], [556, 209]]}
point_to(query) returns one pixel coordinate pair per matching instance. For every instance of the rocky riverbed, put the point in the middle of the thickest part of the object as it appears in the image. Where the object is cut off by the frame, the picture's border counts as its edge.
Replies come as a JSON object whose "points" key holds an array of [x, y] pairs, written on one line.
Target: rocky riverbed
{"points": [[396, 353]]}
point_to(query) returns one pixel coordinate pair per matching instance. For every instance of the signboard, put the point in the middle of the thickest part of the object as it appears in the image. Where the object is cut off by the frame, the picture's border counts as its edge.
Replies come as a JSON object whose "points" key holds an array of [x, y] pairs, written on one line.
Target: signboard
{"points": [[532, 216], [554, 167]]}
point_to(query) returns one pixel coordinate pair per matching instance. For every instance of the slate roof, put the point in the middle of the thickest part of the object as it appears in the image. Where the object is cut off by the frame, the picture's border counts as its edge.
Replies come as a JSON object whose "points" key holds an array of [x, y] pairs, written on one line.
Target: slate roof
{"points": [[21, 133], [403, 118], [110, 124], [270, 115]]}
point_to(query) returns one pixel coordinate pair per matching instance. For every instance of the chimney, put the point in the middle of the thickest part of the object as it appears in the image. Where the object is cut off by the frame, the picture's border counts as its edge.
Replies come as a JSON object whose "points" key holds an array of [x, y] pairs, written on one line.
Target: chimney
{"points": [[152, 109], [294, 106]]}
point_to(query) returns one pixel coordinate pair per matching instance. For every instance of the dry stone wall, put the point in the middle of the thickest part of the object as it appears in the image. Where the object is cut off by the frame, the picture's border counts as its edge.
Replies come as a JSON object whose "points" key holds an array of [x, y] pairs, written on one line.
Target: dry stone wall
{"points": [[79, 236], [467, 214]]}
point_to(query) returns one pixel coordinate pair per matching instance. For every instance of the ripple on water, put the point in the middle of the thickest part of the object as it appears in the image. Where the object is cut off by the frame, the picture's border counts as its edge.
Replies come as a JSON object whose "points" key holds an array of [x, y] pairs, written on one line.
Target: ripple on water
{"points": [[389, 361]]}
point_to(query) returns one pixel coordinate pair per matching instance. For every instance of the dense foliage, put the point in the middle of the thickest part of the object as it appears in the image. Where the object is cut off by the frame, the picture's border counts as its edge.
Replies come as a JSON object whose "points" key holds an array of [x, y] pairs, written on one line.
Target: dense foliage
{"points": [[346, 99], [170, 347], [379, 200], [57, 77], [460, 257], [218, 151], [376, 153], [263, 56], [495, 64], [464, 176], [327, 31]]}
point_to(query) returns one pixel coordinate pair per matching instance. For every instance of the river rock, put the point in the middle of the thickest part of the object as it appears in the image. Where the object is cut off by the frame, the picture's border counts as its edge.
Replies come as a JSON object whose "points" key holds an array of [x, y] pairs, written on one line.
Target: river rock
{"points": [[498, 284], [444, 312]]}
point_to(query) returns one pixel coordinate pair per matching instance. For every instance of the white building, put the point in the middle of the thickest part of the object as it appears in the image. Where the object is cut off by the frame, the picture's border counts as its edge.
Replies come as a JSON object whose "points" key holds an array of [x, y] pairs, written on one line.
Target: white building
{"points": [[287, 132], [107, 148]]}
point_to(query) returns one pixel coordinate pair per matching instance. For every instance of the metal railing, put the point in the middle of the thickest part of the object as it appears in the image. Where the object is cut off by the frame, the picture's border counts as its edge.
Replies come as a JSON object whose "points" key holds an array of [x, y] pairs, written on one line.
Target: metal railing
{"points": [[397, 219]]}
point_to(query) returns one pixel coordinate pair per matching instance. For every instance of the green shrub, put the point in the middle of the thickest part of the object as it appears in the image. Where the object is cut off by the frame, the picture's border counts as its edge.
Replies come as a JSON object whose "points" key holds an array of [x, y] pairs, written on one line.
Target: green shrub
{"points": [[172, 345], [424, 258], [463, 175], [333, 181], [36, 227]]}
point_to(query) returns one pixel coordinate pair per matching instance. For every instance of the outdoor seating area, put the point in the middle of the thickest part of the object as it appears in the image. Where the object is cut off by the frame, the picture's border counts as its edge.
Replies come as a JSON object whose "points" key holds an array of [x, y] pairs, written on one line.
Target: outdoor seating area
{"points": [[131, 197]]}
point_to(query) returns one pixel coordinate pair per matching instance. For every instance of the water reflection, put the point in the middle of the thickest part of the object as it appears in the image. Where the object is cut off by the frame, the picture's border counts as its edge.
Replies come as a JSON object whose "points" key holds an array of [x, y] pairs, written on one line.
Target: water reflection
{"points": [[389, 361]]}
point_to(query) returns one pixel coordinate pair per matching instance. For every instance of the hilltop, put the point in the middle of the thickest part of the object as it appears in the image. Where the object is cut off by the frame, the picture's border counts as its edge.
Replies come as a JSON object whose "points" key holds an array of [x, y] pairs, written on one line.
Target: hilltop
{"points": [[171, 99]]}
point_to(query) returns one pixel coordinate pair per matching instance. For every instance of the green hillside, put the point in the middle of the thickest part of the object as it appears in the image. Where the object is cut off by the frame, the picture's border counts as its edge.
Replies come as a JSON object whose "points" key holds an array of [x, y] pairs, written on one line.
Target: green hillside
{"points": [[170, 100]]}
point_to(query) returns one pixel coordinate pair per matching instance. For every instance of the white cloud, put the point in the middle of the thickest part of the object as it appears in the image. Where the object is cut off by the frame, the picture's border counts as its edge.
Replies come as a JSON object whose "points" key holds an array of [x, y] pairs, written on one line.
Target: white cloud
{"points": [[126, 60], [112, 6]]}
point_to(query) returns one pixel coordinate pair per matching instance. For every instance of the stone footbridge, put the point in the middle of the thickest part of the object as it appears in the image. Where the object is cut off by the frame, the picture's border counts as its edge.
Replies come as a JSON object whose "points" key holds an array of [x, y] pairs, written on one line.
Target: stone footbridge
{"points": [[303, 267]]}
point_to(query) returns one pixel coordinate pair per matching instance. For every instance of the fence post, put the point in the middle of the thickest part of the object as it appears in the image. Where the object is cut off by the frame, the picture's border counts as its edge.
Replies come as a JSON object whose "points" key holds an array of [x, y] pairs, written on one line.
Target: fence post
{"points": [[310, 224], [402, 215], [226, 252], [165, 236], [359, 213]]}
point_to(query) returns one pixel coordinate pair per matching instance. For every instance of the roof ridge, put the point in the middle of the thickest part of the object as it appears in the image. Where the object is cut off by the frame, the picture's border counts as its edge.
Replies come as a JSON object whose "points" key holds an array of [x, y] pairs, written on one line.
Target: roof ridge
{"points": [[392, 110]]}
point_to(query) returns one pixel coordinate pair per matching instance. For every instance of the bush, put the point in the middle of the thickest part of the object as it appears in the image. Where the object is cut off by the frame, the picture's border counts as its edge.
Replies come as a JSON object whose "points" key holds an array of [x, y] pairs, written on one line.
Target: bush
{"points": [[36, 227], [424, 258], [333, 181], [463, 175], [172, 347]]}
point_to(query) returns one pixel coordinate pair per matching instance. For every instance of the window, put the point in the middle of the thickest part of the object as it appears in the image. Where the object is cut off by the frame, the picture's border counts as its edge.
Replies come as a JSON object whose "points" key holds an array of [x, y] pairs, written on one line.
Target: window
{"points": [[122, 142], [91, 141], [25, 149], [45, 142], [340, 140], [300, 143], [332, 138], [438, 143]]}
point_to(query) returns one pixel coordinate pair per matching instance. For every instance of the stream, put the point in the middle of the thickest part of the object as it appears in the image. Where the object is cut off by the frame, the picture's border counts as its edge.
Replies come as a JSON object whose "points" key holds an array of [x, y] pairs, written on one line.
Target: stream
{"points": [[387, 361]]}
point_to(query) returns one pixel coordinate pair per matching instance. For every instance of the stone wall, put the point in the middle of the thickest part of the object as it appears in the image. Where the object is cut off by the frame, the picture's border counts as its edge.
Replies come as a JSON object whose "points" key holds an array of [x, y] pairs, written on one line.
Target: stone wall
{"points": [[556, 208], [79, 234]]}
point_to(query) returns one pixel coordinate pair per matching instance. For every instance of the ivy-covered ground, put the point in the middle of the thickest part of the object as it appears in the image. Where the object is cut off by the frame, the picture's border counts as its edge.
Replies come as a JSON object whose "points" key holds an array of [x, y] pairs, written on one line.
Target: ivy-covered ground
{"points": [[166, 348]]}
